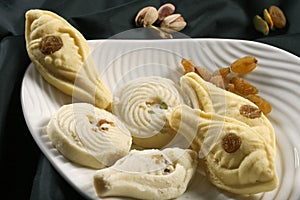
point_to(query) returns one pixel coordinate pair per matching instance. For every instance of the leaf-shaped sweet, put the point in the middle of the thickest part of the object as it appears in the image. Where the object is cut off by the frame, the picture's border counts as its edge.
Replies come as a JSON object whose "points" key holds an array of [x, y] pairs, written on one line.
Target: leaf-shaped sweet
{"points": [[236, 156], [62, 56], [209, 98]]}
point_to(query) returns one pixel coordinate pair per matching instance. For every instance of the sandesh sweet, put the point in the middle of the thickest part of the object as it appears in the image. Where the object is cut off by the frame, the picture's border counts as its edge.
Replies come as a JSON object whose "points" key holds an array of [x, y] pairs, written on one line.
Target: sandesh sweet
{"points": [[236, 157], [62, 56], [209, 98], [142, 105], [148, 174], [231, 135], [88, 136]]}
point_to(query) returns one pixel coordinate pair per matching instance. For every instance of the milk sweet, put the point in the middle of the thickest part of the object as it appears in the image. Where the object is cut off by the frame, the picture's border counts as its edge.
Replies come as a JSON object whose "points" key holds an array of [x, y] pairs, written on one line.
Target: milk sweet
{"points": [[148, 174]]}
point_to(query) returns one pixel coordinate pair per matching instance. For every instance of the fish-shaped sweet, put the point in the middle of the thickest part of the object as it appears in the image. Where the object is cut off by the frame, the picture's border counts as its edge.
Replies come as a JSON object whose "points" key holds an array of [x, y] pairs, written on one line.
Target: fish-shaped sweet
{"points": [[148, 174], [211, 99], [61, 55], [88, 135], [236, 156], [142, 104]]}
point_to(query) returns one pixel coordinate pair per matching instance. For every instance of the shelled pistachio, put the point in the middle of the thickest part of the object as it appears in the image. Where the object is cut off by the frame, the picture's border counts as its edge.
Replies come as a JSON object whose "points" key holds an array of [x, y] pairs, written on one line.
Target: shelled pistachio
{"points": [[273, 18], [261, 25]]}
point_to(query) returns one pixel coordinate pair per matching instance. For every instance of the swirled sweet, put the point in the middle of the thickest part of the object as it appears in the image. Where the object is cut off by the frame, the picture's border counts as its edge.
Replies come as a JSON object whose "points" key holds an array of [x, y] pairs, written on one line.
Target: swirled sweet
{"points": [[211, 99], [142, 104], [148, 174], [88, 136], [238, 158], [62, 56]]}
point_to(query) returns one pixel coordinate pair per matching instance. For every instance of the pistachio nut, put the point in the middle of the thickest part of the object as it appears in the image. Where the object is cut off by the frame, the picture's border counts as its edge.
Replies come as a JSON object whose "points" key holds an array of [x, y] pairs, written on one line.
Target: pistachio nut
{"points": [[165, 10], [277, 16], [147, 16], [260, 25], [172, 23], [268, 19]]}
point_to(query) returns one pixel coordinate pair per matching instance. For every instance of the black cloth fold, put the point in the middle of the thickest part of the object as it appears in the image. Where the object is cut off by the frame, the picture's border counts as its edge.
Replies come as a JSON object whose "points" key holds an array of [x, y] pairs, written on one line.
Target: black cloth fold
{"points": [[25, 172]]}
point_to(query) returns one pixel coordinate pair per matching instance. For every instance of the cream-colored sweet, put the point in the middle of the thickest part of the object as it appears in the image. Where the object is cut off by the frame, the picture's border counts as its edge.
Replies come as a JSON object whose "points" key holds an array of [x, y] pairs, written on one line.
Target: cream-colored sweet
{"points": [[62, 56], [88, 136], [142, 104], [209, 98], [236, 156], [148, 174]]}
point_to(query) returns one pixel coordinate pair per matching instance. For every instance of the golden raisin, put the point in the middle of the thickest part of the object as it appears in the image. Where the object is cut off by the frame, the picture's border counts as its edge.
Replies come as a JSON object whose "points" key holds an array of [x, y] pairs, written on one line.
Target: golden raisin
{"points": [[243, 87], [250, 111], [231, 143], [263, 104], [244, 65], [49, 44], [277, 17], [188, 65]]}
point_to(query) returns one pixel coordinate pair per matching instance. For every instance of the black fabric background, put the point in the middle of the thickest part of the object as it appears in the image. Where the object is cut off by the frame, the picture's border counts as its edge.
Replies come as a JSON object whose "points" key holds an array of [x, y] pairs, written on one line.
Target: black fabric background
{"points": [[25, 172]]}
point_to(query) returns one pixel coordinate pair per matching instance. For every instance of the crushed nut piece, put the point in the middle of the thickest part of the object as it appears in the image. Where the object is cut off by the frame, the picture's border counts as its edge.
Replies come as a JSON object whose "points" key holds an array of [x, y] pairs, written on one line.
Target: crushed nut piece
{"points": [[151, 112], [104, 121], [148, 103], [158, 158], [163, 105]]}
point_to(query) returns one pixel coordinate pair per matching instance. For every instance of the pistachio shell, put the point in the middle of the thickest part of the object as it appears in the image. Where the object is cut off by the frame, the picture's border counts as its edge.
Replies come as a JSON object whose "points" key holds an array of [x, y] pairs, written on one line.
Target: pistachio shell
{"points": [[165, 10], [147, 16], [260, 25], [174, 22]]}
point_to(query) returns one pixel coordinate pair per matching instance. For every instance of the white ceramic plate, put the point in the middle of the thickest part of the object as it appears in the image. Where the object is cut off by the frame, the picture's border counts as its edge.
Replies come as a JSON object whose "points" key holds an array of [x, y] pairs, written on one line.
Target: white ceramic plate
{"points": [[277, 77]]}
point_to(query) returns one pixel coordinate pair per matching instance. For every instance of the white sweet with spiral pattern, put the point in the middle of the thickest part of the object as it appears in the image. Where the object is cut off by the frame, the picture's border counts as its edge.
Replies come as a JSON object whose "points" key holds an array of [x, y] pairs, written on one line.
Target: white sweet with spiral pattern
{"points": [[142, 104], [88, 136]]}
